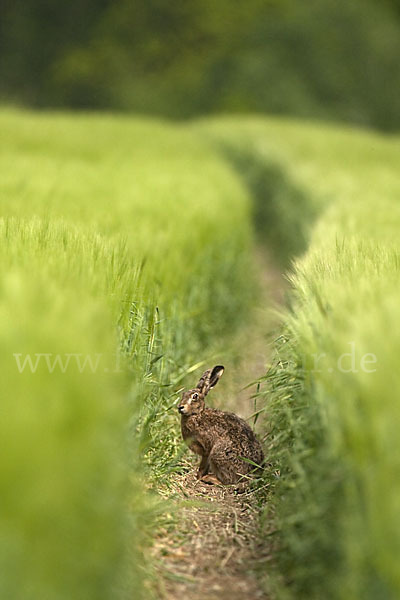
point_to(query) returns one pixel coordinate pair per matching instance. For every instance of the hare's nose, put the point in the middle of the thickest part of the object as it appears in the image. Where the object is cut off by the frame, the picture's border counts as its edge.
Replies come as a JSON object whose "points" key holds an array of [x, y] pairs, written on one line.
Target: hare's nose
{"points": [[181, 409]]}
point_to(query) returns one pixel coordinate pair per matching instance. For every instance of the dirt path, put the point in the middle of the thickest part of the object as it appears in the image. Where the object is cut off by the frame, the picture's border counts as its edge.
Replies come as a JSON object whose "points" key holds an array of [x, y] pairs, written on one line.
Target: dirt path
{"points": [[214, 549]]}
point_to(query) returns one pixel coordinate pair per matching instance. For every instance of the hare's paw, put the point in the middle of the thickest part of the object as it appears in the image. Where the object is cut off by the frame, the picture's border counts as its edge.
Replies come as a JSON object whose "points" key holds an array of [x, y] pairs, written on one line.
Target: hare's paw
{"points": [[211, 479]]}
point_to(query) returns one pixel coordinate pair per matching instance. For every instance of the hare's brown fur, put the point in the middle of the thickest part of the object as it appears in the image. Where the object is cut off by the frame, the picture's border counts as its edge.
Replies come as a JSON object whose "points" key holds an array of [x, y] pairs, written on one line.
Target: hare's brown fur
{"points": [[228, 447]]}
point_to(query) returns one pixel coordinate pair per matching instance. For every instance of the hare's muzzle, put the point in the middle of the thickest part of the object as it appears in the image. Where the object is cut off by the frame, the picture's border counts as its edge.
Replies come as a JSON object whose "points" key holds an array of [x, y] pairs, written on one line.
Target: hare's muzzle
{"points": [[181, 409]]}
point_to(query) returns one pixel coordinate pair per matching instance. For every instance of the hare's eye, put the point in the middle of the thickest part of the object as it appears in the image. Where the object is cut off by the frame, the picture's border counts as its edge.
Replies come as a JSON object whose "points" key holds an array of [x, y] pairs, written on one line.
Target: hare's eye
{"points": [[195, 396]]}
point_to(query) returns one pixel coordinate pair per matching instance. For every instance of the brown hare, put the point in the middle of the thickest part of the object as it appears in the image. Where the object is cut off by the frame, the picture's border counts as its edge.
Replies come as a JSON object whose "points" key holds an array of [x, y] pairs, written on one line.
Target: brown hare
{"points": [[228, 447]]}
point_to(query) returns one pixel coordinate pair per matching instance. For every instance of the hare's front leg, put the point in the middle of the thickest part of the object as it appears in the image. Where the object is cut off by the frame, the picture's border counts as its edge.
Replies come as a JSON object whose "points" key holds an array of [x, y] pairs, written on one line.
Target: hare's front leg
{"points": [[204, 471], [204, 466], [225, 464]]}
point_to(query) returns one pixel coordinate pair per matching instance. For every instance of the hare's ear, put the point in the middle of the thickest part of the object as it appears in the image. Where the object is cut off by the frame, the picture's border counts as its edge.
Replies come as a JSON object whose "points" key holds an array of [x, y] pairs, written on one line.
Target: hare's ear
{"points": [[215, 375], [209, 379], [204, 382]]}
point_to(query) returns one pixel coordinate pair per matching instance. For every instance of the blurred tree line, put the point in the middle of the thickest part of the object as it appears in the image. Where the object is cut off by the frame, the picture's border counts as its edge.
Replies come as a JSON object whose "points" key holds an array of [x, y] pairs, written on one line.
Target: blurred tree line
{"points": [[335, 59]]}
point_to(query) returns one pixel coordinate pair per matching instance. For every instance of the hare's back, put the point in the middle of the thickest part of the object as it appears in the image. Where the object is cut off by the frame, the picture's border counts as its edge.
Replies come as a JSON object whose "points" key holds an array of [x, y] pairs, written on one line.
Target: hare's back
{"points": [[228, 425]]}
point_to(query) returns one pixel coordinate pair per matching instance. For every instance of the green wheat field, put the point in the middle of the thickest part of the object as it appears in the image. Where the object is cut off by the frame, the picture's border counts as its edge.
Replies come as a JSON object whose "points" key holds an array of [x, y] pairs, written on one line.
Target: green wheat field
{"points": [[127, 264]]}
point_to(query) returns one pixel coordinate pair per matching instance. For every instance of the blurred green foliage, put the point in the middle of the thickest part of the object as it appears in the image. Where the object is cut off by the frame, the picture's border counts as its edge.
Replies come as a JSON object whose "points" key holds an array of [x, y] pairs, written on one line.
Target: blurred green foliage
{"points": [[333, 419], [331, 59], [115, 242]]}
